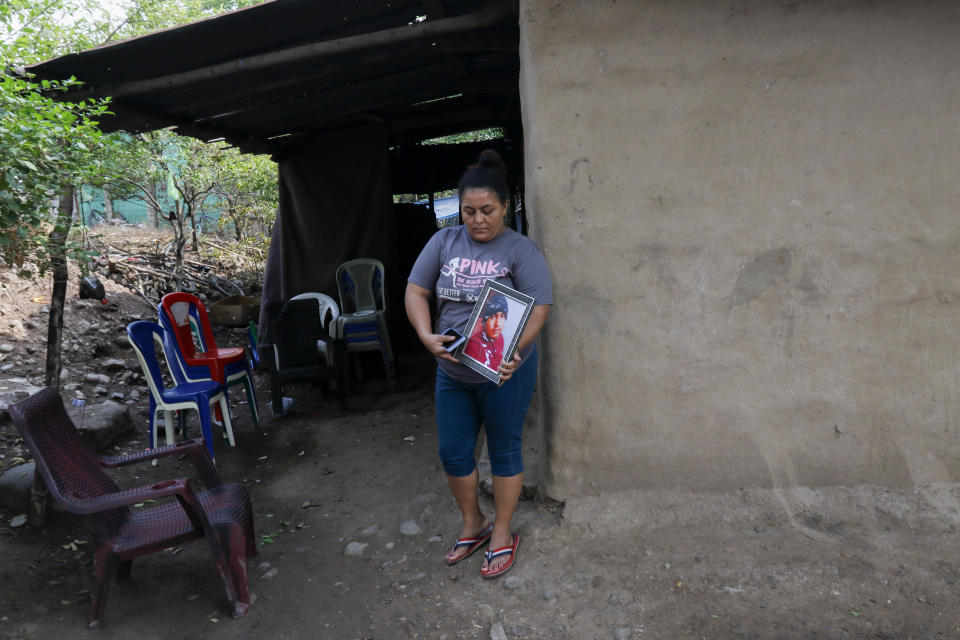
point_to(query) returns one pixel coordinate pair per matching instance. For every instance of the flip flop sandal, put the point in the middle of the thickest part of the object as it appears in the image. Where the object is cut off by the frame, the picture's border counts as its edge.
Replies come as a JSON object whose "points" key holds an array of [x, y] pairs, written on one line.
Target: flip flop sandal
{"points": [[496, 553], [472, 544]]}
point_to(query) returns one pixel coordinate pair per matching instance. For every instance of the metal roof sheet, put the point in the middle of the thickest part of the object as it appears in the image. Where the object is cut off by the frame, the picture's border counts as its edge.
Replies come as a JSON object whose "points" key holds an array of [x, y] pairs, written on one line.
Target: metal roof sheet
{"points": [[287, 68]]}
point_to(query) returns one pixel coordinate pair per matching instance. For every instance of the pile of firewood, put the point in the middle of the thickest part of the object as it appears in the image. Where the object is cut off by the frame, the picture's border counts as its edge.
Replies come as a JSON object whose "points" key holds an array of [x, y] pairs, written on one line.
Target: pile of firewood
{"points": [[148, 267]]}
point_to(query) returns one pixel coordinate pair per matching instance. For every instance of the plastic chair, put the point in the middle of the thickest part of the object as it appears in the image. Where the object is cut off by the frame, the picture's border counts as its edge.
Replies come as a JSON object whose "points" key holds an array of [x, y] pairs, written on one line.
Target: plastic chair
{"points": [[289, 349], [362, 325], [238, 372], [76, 479], [198, 395], [186, 318], [329, 312]]}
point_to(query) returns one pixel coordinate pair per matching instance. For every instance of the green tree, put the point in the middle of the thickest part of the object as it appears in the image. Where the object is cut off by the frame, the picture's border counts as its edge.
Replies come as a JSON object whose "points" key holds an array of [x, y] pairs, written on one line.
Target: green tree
{"points": [[49, 147], [186, 165], [247, 190]]}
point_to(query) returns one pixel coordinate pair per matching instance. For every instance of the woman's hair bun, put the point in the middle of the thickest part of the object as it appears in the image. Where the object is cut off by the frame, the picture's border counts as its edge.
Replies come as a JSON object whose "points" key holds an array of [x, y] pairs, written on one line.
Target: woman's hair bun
{"points": [[490, 159], [489, 172]]}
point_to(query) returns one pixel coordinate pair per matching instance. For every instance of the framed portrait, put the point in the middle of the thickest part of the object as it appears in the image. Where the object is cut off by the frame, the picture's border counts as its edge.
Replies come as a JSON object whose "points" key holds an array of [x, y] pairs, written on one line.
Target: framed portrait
{"points": [[494, 328]]}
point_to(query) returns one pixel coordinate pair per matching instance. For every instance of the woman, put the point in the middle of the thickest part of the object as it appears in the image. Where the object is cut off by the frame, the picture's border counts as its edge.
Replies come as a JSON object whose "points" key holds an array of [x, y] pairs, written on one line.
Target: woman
{"points": [[453, 266]]}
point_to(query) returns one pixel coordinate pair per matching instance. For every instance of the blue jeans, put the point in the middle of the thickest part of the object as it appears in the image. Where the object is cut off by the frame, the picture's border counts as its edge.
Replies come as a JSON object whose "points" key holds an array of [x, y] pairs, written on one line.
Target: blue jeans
{"points": [[463, 406]]}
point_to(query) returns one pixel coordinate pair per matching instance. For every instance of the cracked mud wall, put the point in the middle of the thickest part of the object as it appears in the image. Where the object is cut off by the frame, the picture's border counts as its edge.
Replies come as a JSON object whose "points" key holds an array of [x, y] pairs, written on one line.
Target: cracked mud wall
{"points": [[752, 213]]}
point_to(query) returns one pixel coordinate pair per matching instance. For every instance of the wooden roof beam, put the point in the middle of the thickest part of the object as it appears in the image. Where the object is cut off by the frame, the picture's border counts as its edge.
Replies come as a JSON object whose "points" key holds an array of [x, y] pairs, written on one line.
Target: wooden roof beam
{"points": [[330, 103], [155, 120]]}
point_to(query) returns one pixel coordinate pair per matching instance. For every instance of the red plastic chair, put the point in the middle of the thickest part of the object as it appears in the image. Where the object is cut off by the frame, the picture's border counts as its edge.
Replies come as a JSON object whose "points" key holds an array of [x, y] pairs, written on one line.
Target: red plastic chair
{"points": [[224, 364], [75, 476]]}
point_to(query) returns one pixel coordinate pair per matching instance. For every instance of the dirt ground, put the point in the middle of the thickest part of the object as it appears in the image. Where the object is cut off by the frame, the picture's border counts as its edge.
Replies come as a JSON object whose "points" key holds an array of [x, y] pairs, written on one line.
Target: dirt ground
{"points": [[862, 562]]}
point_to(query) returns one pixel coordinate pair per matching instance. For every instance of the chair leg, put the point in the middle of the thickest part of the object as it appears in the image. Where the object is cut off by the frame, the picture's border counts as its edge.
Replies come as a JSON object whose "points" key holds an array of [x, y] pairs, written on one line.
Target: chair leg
{"points": [[276, 394], [358, 366], [153, 422], [104, 565], [343, 373], [203, 408], [237, 554], [387, 350], [168, 425], [252, 400], [227, 425], [229, 545], [221, 377]]}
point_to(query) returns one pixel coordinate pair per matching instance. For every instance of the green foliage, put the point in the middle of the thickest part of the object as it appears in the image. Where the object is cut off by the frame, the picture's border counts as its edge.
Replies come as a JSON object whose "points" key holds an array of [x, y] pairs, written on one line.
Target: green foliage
{"points": [[468, 136], [146, 16], [247, 189], [44, 145], [201, 175]]}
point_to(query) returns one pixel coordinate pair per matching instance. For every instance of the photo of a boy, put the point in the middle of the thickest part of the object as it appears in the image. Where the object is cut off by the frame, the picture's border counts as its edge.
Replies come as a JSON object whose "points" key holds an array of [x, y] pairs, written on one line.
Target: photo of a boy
{"points": [[486, 343]]}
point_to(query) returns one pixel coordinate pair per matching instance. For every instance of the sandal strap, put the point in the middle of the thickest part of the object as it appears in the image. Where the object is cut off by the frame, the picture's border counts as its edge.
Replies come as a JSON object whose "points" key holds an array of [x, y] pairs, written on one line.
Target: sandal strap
{"points": [[496, 553], [467, 542]]}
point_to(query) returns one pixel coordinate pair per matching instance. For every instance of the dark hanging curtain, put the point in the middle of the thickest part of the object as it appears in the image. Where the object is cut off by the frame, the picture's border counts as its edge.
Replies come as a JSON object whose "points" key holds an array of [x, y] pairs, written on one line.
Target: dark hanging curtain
{"points": [[336, 204]]}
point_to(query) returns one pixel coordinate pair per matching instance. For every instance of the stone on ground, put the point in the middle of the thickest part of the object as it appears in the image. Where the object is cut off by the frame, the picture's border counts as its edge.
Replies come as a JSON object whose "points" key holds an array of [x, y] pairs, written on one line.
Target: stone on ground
{"points": [[15, 486]]}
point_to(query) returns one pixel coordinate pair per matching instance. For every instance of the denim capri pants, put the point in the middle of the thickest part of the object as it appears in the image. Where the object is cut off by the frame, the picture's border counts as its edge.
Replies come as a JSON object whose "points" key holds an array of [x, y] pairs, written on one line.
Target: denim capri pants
{"points": [[463, 406]]}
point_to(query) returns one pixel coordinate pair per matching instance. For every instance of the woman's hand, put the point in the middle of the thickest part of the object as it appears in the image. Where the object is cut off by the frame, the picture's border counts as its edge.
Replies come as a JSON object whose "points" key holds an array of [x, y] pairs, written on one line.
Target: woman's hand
{"points": [[507, 367], [434, 343]]}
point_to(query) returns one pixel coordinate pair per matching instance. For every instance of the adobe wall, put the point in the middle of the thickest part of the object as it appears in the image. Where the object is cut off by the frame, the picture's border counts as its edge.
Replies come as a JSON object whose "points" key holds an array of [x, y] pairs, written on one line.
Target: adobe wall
{"points": [[752, 213]]}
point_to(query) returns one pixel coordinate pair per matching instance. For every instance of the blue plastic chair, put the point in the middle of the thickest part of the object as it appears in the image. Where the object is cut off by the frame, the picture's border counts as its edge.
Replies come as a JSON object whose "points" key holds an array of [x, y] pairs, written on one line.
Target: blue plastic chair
{"points": [[197, 395], [235, 372], [362, 325]]}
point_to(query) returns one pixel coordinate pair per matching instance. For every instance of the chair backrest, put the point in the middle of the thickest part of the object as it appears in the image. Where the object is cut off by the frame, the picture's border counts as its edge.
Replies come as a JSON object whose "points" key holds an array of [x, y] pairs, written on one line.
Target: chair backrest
{"points": [[70, 468], [179, 309], [329, 312], [143, 336], [293, 329], [361, 286], [180, 371]]}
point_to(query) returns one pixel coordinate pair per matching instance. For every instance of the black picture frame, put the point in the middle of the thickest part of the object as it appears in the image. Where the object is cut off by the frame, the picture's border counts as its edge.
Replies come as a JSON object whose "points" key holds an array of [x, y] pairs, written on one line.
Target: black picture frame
{"points": [[482, 351]]}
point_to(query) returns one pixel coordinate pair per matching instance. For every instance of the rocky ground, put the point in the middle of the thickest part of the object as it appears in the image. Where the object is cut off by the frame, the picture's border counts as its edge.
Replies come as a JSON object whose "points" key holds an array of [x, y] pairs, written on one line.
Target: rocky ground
{"points": [[353, 518]]}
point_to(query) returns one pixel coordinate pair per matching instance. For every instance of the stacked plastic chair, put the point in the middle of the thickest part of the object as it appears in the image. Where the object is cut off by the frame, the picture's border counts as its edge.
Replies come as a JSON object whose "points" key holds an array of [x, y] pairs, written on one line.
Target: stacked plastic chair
{"points": [[288, 351], [185, 316], [362, 325], [329, 312], [75, 477], [185, 394]]}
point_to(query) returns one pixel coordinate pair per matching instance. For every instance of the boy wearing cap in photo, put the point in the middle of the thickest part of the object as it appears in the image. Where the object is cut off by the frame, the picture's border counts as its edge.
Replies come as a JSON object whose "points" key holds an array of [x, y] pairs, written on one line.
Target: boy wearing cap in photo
{"points": [[486, 343]]}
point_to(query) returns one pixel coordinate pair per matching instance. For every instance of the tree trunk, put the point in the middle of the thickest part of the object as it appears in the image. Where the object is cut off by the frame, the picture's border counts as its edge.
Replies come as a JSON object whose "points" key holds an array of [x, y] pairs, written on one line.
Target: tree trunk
{"points": [[107, 203], [153, 209], [194, 223], [237, 218], [179, 240], [57, 247], [58, 259]]}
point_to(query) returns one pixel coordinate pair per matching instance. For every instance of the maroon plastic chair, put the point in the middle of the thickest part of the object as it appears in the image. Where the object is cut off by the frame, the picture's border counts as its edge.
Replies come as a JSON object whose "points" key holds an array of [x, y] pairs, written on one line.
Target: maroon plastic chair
{"points": [[75, 476]]}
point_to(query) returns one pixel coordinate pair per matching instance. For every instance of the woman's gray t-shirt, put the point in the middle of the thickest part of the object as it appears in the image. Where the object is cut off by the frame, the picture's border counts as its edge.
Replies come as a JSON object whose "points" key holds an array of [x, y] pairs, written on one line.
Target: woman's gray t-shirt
{"points": [[455, 267]]}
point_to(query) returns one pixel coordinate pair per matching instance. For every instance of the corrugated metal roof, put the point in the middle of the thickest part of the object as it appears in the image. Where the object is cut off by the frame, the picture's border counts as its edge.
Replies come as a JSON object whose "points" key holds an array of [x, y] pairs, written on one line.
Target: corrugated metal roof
{"points": [[291, 67]]}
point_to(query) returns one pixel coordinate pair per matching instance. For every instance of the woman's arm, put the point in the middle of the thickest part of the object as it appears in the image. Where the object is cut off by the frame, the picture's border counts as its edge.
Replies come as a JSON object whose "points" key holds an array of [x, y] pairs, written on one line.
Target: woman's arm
{"points": [[538, 317], [417, 302]]}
